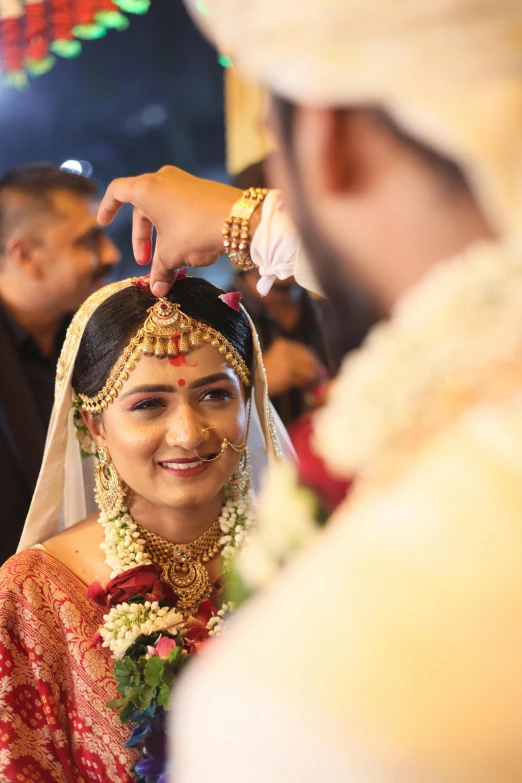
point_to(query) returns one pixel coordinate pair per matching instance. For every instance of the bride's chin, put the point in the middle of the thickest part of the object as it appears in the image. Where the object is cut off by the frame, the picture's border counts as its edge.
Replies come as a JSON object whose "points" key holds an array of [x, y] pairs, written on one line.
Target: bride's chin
{"points": [[183, 493]]}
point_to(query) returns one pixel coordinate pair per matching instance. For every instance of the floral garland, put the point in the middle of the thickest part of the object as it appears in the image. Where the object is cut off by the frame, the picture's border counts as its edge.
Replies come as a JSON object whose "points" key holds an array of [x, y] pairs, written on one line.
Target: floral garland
{"points": [[149, 639], [274, 542], [87, 445], [455, 339]]}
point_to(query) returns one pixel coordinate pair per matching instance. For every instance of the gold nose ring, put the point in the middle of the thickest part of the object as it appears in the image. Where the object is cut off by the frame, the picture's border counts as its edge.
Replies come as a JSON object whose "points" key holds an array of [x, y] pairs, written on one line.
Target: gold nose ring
{"points": [[225, 444]]}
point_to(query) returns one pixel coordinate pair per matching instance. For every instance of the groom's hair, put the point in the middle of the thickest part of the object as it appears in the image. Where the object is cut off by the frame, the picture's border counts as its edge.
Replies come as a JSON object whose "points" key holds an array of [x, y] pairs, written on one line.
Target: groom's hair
{"points": [[116, 321]]}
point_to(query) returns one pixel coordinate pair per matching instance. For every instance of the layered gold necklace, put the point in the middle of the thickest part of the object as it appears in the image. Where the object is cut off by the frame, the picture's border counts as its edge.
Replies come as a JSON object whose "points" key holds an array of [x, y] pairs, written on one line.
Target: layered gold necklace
{"points": [[183, 565]]}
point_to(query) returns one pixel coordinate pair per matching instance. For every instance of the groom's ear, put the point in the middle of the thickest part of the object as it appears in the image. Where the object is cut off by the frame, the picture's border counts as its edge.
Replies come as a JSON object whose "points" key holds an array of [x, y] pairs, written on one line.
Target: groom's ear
{"points": [[94, 423]]}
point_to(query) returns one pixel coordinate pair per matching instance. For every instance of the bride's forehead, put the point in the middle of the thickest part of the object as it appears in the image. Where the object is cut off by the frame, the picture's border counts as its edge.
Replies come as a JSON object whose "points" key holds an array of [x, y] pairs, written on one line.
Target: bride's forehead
{"points": [[196, 364]]}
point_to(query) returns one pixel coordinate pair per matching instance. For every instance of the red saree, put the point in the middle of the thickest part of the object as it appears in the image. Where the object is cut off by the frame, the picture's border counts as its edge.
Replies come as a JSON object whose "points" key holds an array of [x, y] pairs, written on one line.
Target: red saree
{"points": [[54, 725]]}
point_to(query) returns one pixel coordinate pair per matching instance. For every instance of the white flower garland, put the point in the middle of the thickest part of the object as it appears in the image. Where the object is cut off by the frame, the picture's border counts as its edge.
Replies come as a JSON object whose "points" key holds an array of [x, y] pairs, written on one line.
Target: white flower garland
{"points": [[125, 549], [216, 625], [454, 340], [449, 342], [287, 524], [88, 446], [126, 622]]}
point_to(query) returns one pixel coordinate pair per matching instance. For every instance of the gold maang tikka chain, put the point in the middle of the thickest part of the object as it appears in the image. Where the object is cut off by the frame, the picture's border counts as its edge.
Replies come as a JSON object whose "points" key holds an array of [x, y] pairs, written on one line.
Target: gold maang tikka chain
{"points": [[167, 333], [184, 565]]}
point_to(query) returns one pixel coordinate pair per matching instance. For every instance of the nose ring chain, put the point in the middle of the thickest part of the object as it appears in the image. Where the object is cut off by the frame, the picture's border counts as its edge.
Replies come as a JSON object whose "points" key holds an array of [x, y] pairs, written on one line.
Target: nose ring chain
{"points": [[239, 448]]}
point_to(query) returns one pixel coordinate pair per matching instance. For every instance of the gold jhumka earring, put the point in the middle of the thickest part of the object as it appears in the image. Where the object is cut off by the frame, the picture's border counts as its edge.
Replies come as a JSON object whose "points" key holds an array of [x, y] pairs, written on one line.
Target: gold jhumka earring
{"points": [[241, 480], [109, 492]]}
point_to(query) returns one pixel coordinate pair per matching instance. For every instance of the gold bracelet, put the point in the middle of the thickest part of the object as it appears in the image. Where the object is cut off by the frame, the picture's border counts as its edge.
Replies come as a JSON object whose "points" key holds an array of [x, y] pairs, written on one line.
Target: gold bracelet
{"points": [[236, 232]]}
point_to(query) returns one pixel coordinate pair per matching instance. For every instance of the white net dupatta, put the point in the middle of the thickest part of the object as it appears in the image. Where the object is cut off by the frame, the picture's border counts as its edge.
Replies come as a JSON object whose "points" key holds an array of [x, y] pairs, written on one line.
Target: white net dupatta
{"points": [[64, 494]]}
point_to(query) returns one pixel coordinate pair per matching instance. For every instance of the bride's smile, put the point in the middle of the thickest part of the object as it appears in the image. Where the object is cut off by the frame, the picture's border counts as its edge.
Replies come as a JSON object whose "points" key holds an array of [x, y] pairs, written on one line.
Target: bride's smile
{"points": [[167, 425]]}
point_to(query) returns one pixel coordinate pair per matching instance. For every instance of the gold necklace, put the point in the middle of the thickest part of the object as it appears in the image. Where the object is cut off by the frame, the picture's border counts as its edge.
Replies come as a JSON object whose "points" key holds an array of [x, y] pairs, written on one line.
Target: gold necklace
{"points": [[183, 565]]}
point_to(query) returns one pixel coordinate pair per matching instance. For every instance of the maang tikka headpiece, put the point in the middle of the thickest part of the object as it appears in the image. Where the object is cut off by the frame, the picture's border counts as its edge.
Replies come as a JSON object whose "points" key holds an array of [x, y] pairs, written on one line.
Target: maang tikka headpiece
{"points": [[166, 333]]}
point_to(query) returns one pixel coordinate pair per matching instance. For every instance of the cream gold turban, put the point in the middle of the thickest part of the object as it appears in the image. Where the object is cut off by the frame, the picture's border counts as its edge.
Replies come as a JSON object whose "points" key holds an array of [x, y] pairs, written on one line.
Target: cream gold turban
{"points": [[450, 71]]}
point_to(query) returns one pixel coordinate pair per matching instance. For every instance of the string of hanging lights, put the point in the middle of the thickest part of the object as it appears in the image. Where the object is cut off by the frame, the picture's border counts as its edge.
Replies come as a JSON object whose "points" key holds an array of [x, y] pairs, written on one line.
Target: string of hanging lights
{"points": [[34, 32]]}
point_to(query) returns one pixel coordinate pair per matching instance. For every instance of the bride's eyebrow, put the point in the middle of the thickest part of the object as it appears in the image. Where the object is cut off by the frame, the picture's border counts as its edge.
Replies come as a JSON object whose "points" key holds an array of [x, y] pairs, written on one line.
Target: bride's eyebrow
{"points": [[148, 388], [215, 378], [165, 388]]}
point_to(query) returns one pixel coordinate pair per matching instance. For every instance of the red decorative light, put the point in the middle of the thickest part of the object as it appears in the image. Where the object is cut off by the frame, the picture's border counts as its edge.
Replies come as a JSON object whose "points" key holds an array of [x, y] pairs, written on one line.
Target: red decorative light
{"points": [[62, 20], [42, 25], [85, 11], [36, 32], [12, 52]]}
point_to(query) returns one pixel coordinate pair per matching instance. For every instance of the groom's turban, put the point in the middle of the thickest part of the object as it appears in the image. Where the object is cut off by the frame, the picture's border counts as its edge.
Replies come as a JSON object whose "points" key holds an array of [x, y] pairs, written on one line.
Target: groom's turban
{"points": [[449, 71]]}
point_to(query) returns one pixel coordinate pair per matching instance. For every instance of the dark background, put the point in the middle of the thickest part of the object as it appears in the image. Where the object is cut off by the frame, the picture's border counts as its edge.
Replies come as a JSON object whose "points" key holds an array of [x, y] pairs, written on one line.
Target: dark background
{"points": [[129, 103]]}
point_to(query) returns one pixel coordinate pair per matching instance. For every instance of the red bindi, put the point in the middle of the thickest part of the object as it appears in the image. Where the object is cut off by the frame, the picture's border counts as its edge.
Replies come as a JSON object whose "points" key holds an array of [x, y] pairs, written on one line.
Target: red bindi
{"points": [[181, 382]]}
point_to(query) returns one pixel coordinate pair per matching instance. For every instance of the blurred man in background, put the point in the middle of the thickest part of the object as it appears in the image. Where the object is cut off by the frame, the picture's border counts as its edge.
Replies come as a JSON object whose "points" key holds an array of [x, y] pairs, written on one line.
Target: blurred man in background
{"points": [[52, 256]]}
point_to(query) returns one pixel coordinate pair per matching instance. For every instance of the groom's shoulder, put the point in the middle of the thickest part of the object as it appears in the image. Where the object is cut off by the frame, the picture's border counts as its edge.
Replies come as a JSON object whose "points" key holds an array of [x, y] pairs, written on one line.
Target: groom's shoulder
{"points": [[408, 563]]}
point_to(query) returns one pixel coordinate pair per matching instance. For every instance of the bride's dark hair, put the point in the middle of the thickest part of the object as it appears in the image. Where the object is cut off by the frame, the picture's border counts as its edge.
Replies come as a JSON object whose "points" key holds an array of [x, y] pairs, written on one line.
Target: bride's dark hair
{"points": [[115, 321]]}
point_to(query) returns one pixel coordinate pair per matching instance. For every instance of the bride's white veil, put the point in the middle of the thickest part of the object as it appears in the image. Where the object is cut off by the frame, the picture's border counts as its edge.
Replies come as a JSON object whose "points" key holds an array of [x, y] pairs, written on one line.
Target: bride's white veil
{"points": [[64, 493]]}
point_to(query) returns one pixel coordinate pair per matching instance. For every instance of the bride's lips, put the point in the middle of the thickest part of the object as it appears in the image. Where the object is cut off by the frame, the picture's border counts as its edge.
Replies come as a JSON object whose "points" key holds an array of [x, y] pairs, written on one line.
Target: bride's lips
{"points": [[185, 467]]}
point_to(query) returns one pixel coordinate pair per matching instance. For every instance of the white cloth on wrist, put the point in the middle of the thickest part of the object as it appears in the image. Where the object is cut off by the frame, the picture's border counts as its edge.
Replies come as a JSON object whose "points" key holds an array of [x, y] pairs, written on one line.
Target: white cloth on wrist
{"points": [[275, 243], [277, 250]]}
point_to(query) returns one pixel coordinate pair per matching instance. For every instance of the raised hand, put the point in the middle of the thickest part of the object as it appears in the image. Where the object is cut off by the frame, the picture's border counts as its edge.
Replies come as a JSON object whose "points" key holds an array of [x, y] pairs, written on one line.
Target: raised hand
{"points": [[187, 213]]}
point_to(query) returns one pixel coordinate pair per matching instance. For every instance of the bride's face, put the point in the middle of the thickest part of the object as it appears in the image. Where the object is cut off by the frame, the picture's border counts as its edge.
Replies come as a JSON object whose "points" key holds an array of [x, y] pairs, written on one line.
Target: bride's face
{"points": [[155, 428]]}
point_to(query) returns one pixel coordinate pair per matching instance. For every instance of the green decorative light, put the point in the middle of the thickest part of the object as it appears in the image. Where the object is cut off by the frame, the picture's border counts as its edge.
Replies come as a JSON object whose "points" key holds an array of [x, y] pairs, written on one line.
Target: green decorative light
{"points": [[202, 8], [65, 48], [89, 32], [39, 67], [112, 20], [134, 6], [16, 79], [225, 61]]}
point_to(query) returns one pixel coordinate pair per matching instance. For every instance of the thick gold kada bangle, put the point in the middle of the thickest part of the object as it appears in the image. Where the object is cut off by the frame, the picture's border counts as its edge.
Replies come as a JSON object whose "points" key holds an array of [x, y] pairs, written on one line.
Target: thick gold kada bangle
{"points": [[236, 231]]}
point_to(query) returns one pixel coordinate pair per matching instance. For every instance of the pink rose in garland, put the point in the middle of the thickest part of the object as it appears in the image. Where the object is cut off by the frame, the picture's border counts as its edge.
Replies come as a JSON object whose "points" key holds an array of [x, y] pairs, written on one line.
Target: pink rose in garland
{"points": [[163, 647]]}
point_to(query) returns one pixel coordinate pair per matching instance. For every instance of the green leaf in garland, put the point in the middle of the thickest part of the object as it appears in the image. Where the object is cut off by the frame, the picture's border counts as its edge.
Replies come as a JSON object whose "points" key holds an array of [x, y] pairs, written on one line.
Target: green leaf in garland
{"points": [[163, 695], [153, 671], [168, 675], [141, 696], [117, 704], [174, 656], [126, 674], [126, 713]]}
